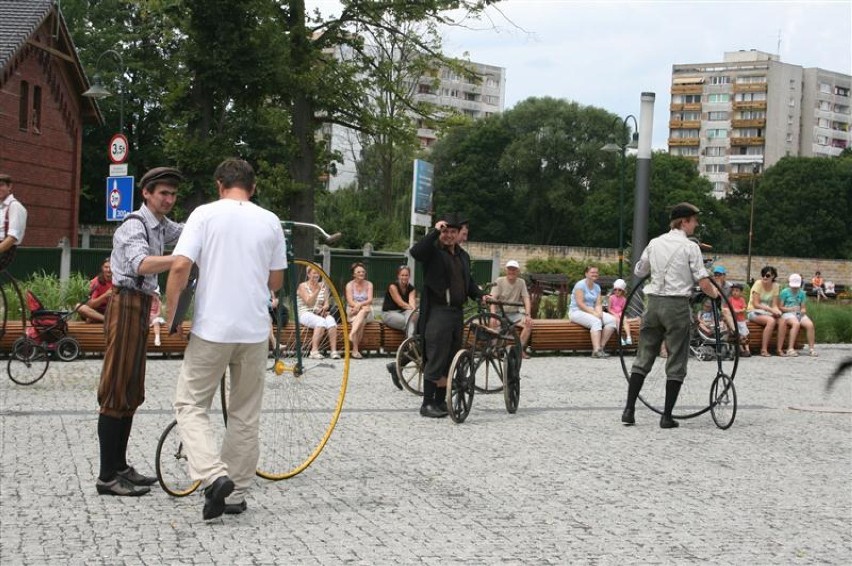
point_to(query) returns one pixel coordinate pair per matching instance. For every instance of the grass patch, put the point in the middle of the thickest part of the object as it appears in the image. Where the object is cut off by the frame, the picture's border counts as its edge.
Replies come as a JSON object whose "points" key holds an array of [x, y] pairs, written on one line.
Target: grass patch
{"points": [[52, 294], [832, 321]]}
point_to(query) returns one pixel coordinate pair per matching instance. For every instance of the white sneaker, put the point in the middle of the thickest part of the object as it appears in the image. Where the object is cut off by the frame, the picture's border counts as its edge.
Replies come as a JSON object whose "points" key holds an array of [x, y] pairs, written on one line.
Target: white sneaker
{"points": [[624, 342], [335, 355], [315, 356], [157, 341], [629, 341]]}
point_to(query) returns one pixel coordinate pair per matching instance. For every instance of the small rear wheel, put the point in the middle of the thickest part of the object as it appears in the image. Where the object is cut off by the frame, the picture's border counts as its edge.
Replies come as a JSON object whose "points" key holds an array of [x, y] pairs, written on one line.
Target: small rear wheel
{"points": [[172, 464], [67, 349], [28, 362], [723, 401], [409, 365], [512, 373], [460, 389]]}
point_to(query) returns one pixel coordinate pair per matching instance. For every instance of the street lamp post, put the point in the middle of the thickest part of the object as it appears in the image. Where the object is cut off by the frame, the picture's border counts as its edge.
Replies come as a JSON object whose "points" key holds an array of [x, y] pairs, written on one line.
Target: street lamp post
{"points": [[613, 147], [754, 171], [98, 91]]}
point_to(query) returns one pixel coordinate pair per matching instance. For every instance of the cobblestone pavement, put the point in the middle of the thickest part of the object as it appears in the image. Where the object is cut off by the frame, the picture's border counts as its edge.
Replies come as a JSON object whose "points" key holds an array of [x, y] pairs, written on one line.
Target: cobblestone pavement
{"points": [[561, 481]]}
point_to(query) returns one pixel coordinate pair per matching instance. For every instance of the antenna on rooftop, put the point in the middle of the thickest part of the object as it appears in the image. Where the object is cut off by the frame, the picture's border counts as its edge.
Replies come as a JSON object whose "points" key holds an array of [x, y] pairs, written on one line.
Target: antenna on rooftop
{"points": [[778, 49]]}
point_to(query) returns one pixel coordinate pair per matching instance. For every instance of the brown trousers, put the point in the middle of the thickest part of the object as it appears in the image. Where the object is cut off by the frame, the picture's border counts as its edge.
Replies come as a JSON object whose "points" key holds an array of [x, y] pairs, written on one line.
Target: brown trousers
{"points": [[122, 386]]}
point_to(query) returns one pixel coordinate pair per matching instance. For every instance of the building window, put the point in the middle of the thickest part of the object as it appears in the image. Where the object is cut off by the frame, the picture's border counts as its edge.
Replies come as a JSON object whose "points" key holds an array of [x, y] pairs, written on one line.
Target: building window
{"points": [[37, 109], [687, 151], [24, 106], [749, 96], [720, 187], [692, 99], [470, 96], [719, 97], [717, 116], [692, 133], [822, 140], [792, 103], [825, 105], [715, 168], [713, 151], [751, 115], [748, 80], [840, 91], [825, 87], [720, 80], [717, 133], [789, 138]]}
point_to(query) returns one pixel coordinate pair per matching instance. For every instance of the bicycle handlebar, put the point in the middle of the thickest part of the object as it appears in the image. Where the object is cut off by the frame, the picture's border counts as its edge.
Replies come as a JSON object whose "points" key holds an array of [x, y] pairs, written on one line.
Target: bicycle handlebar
{"points": [[503, 303], [329, 238]]}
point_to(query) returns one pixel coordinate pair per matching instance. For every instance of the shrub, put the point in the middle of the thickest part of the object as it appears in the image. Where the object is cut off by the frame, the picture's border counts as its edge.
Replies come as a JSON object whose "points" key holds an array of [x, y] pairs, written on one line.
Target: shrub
{"points": [[832, 321], [49, 291]]}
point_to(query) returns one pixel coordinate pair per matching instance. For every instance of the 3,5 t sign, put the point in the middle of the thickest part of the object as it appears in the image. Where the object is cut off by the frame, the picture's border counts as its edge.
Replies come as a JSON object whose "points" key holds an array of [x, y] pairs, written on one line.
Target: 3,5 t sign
{"points": [[118, 148]]}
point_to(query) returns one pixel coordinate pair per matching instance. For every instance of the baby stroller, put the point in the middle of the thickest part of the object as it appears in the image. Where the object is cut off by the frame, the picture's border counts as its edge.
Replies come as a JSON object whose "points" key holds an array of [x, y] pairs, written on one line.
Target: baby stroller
{"points": [[702, 344], [50, 330]]}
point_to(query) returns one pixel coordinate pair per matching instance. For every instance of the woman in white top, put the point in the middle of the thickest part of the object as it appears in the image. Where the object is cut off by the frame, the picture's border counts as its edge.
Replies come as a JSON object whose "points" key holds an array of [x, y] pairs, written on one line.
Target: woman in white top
{"points": [[313, 303], [586, 309], [359, 301]]}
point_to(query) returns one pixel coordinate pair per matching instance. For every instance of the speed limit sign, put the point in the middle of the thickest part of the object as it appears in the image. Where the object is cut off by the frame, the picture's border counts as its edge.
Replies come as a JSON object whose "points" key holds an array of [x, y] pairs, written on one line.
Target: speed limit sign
{"points": [[118, 148]]}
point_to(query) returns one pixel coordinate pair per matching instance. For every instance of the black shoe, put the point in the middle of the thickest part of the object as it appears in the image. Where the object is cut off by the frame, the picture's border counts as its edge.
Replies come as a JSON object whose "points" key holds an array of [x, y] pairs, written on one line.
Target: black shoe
{"points": [[134, 477], [214, 497], [627, 417], [235, 508], [394, 377], [432, 411], [120, 486], [443, 407], [668, 422]]}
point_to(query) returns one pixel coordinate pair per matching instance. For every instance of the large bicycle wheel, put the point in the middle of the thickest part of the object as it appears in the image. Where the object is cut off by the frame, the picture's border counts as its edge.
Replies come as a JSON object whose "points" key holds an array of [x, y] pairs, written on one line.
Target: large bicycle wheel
{"points": [[409, 364], [710, 355], [4, 313], [723, 401], [172, 465], [461, 388], [28, 362], [512, 389], [303, 396], [487, 335]]}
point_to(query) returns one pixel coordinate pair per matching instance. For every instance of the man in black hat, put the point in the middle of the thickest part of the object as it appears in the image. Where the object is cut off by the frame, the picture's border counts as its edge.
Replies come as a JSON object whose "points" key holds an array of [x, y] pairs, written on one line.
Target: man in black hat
{"points": [[137, 257], [676, 265], [447, 283], [13, 221]]}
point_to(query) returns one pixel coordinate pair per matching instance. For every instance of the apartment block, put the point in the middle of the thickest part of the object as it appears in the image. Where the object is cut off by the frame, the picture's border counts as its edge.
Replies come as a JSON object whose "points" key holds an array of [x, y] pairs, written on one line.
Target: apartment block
{"points": [[736, 117]]}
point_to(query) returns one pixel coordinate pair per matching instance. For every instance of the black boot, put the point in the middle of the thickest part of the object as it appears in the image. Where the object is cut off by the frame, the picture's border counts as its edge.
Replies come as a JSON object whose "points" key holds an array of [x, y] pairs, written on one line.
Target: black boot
{"points": [[394, 377], [633, 390], [672, 391], [441, 399]]}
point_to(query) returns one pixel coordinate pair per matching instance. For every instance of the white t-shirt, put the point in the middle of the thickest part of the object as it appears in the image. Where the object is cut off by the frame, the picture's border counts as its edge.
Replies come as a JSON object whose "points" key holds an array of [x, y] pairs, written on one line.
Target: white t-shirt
{"points": [[235, 244], [17, 219]]}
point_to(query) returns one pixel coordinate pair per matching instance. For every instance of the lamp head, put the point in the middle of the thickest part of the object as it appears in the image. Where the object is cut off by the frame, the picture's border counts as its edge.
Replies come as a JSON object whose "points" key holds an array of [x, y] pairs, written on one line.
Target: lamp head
{"points": [[97, 90]]}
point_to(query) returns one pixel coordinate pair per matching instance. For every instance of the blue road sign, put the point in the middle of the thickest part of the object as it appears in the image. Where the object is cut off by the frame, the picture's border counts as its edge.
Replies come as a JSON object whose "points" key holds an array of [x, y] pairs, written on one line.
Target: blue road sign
{"points": [[119, 198]]}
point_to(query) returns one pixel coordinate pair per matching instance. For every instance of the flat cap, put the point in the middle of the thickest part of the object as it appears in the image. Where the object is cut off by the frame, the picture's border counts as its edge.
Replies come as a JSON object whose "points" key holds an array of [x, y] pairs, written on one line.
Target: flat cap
{"points": [[4, 178], [168, 175], [454, 220], [683, 210]]}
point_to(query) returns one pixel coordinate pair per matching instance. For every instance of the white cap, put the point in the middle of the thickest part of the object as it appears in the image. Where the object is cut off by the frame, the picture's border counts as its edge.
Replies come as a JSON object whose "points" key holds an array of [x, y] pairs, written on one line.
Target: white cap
{"points": [[512, 263], [620, 284], [795, 280]]}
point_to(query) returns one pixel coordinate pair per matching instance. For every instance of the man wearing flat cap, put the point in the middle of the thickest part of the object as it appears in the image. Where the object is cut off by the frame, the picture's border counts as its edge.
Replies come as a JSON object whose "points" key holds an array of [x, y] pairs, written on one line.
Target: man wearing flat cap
{"points": [[675, 264], [13, 222], [447, 283], [137, 257]]}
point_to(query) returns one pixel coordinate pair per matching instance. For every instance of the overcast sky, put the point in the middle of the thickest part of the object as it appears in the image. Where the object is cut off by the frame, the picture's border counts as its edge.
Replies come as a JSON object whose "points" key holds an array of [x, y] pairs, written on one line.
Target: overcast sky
{"points": [[606, 53]]}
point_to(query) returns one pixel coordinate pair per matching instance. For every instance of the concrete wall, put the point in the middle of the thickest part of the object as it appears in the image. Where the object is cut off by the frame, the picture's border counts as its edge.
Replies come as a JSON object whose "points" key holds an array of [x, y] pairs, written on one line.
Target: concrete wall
{"points": [[838, 271]]}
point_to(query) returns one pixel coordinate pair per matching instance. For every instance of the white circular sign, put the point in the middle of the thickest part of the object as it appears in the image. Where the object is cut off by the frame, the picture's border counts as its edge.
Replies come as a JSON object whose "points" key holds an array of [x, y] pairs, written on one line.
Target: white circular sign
{"points": [[118, 148]]}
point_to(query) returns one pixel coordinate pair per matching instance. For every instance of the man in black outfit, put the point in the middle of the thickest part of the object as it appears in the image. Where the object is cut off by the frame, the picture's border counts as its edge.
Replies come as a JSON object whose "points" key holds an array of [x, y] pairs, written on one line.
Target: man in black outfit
{"points": [[447, 284]]}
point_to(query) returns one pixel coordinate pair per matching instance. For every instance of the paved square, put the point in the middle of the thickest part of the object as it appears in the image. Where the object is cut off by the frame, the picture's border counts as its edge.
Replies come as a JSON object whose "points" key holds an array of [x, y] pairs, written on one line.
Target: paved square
{"points": [[559, 482]]}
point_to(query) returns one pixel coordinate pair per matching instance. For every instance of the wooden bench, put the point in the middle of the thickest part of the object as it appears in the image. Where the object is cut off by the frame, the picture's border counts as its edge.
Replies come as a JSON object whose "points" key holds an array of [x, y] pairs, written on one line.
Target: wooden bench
{"points": [[91, 338]]}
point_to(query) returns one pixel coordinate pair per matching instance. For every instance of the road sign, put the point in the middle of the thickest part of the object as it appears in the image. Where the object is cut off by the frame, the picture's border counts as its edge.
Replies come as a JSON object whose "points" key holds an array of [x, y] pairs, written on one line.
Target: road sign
{"points": [[118, 148], [119, 170], [119, 198]]}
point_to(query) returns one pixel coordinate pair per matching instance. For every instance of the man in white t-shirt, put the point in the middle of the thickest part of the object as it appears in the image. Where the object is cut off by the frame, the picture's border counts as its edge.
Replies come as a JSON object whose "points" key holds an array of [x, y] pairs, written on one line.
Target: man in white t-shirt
{"points": [[512, 289], [13, 219], [241, 256]]}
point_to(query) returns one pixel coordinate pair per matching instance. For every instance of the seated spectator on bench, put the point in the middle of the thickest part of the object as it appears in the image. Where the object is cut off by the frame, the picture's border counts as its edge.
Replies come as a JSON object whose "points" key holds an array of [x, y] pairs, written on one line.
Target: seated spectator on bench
{"points": [[100, 292], [817, 282], [738, 303], [586, 309], [795, 315], [359, 306], [763, 306], [829, 289], [312, 300], [399, 309], [512, 289]]}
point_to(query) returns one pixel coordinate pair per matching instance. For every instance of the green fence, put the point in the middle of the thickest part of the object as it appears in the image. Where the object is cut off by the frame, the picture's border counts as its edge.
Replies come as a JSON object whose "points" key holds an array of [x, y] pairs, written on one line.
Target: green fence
{"points": [[381, 267]]}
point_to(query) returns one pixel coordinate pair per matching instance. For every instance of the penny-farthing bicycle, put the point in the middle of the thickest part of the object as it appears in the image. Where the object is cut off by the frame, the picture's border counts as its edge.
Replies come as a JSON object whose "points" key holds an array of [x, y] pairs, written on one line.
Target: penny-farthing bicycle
{"points": [[303, 397], [714, 356], [29, 360]]}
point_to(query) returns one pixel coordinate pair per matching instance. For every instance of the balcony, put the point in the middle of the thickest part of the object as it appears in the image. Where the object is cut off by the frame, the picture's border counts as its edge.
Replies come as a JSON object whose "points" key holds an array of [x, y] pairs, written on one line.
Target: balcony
{"points": [[685, 124], [750, 87], [738, 159], [756, 123], [750, 105], [694, 106], [687, 89], [748, 141], [684, 141], [676, 106], [741, 176]]}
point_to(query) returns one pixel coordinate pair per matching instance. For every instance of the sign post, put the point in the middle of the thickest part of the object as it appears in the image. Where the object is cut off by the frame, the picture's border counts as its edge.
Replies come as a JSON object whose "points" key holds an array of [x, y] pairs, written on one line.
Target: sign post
{"points": [[421, 201]]}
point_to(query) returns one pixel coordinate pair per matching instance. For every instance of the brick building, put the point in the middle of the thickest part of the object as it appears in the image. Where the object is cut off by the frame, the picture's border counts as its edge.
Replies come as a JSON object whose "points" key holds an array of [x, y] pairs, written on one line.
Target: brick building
{"points": [[42, 112]]}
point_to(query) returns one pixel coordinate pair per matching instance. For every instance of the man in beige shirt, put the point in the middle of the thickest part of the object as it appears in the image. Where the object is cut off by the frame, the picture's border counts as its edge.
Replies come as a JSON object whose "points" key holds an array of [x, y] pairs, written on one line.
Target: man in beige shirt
{"points": [[513, 289]]}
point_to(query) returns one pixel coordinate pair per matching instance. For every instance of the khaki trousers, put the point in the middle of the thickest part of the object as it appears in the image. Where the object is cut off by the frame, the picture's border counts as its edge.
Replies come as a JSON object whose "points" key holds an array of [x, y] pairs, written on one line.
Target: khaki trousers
{"points": [[203, 365]]}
